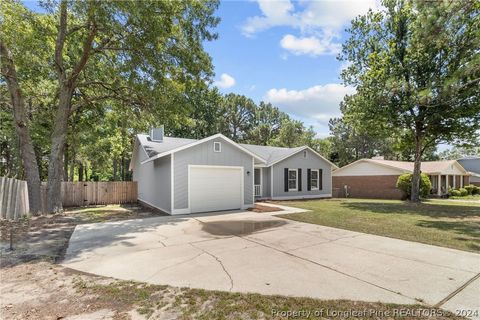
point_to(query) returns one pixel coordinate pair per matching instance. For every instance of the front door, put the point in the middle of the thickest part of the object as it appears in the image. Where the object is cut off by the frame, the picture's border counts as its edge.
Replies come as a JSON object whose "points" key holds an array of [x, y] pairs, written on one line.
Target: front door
{"points": [[258, 182]]}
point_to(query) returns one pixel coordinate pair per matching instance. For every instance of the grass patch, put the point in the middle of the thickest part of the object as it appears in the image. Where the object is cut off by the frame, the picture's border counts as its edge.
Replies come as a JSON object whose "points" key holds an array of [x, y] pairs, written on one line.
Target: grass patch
{"points": [[451, 224], [185, 303], [469, 197]]}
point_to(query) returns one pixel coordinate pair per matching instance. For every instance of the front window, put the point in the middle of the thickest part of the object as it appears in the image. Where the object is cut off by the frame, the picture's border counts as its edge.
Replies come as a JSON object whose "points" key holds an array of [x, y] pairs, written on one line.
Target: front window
{"points": [[314, 179], [292, 180]]}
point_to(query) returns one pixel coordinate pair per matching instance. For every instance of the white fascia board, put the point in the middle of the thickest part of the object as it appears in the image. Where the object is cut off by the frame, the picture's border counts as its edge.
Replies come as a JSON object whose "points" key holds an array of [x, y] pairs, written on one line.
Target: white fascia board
{"points": [[218, 135], [134, 155]]}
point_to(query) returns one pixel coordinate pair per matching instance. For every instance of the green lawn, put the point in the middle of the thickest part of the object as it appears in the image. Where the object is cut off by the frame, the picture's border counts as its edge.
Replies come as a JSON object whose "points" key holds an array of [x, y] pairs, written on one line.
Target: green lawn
{"points": [[452, 224], [470, 197]]}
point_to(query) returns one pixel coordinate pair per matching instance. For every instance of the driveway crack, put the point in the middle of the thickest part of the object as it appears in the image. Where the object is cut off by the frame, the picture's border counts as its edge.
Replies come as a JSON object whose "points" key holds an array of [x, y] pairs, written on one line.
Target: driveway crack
{"points": [[219, 261], [457, 291]]}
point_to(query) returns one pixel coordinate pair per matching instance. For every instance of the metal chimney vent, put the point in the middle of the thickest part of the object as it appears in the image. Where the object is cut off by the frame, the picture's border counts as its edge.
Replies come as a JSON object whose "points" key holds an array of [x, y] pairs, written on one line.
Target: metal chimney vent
{"points": [[156, 134]]}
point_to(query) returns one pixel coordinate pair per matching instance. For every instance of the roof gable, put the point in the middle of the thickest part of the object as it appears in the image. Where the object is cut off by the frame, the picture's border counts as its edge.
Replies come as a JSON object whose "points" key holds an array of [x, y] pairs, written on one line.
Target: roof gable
{"points": [[184, 145], [266, 154], [428, 167]]}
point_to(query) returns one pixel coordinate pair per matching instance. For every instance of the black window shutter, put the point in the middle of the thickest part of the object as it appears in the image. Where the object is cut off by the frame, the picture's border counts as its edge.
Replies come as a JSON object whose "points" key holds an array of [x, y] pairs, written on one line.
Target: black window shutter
{"points": [[285, 187], [299, 179], [320, 179], [309, 179]]}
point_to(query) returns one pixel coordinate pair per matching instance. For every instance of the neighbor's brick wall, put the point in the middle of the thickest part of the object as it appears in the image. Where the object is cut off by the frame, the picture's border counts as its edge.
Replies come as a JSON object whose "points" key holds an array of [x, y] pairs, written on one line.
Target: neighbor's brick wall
{"points": [[381, 187]]}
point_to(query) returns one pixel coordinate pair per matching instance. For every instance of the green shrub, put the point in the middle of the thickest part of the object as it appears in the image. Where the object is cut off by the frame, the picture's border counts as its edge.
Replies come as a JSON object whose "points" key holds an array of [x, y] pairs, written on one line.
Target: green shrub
{"points": [[404, 183], [470, 188], [476, 190], [455, 193], [463, 192]]}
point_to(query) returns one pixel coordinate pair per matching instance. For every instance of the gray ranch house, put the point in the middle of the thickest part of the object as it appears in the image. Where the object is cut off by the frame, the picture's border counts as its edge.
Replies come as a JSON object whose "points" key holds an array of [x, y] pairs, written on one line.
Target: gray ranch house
{"points": [[182, 176]]}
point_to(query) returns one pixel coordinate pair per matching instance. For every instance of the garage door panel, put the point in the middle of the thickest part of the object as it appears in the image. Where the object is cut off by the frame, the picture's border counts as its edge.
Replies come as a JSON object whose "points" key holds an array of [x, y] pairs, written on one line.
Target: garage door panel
{"points": [[215, 188]]}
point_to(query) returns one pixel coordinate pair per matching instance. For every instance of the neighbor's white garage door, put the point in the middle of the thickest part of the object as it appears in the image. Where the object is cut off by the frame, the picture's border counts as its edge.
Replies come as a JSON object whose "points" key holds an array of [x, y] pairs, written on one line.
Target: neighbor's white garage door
{"points": [[215, 188]]}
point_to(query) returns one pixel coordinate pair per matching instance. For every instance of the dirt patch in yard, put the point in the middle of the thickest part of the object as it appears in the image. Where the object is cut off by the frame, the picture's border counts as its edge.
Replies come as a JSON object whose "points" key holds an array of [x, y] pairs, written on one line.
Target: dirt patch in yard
{"points": [[260, 208], [46, 237], [41, 290]]}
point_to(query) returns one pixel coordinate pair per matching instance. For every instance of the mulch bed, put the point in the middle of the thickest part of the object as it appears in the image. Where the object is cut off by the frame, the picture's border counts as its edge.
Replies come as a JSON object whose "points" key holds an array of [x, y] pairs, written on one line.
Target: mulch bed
{"points": [[260, 208]]}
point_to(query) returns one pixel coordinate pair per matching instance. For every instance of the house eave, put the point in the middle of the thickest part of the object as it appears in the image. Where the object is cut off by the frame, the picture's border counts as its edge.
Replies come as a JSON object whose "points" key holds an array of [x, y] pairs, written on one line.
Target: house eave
{"points": [[219, 135]]}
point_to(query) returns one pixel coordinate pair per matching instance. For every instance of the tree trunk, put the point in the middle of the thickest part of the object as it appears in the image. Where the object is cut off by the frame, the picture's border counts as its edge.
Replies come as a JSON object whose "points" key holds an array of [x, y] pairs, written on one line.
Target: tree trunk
{"points": [[72, 169], [415, 196], [123, 168], [27, 151], [65, 163], [80, 171], [114, 169], [55, 166]]}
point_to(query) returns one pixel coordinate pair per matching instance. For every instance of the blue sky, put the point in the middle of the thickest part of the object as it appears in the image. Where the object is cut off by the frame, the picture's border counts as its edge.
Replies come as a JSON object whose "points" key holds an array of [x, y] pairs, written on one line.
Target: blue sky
{"points": [[285, 52]]}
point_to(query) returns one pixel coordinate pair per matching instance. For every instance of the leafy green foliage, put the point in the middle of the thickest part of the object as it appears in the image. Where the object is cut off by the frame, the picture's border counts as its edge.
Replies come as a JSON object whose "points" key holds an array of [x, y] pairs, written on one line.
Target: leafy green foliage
{"points": [[146, 66], [463, 192], [404, 183], [415, 69], [454, 193], [469, 189]]}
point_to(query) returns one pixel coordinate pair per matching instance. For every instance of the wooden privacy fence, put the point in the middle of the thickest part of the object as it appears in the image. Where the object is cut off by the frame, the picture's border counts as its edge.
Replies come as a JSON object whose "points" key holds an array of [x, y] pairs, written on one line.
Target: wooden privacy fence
{"points": [[13, 198], [77, 194], [14, 195]]}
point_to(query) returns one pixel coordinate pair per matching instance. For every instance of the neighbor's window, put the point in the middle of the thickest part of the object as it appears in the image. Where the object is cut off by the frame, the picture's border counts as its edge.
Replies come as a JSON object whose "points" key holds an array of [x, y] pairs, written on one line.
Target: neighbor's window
{"points": [[304, 154], [217, 147], [314, 179], [292, 179]]}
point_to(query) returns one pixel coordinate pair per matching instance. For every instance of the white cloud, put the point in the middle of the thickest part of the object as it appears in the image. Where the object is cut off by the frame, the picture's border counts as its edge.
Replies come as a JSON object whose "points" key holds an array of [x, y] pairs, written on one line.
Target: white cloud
{"points": [[226, 81], [275, 13], [334, 14], [319, 22], [312, 46], [318, 103], [329, 14]]}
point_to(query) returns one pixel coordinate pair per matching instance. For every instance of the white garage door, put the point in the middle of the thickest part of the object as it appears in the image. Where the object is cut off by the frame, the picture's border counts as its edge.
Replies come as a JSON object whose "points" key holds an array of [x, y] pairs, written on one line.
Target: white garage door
{"points": [[215, 188]]}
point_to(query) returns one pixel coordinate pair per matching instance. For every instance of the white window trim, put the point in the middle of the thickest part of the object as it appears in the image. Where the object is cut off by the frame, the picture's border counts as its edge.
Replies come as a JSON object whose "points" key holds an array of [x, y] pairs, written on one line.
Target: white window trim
{"points": [[318, 179], [296, 180], [219, 146]]}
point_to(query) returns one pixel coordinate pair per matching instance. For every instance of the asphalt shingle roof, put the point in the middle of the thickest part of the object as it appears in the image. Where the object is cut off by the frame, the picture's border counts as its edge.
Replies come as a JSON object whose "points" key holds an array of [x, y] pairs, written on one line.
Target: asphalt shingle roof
{"points": [[153, 148], [268, 153], [271, 154], [427, 166]]}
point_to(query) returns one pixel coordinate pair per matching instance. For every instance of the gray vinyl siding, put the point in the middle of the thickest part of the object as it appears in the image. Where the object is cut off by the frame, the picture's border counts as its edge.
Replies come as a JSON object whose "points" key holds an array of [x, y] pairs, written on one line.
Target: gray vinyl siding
{"points": [[297, 161], [266, 182], [153, 180], [203, 154]]}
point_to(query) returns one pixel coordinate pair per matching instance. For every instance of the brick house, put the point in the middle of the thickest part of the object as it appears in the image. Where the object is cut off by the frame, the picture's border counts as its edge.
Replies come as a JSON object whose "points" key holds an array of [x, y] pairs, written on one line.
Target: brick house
{"points": [[377, 178]]}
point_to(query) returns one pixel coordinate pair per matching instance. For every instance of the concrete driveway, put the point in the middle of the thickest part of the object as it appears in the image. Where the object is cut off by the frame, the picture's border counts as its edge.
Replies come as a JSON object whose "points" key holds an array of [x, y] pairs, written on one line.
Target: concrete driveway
{"points": [[257, 252]]}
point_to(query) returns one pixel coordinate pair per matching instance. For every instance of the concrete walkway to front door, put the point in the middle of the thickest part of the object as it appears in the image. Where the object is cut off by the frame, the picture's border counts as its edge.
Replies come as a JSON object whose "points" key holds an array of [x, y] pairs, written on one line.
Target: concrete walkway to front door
{"points": [[256, 252]]}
